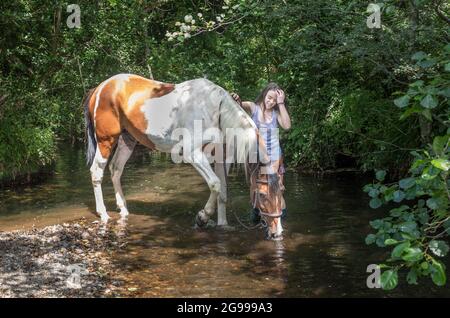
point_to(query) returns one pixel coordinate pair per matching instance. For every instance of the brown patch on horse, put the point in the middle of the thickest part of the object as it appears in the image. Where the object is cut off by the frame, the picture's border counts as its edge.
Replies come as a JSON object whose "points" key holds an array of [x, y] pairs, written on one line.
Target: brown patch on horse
{"points": [[119, 108], [107, 121], [163, 89], [137, 91]]}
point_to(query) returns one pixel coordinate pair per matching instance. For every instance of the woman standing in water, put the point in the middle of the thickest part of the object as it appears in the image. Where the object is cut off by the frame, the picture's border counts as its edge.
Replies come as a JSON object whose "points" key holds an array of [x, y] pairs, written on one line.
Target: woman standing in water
{"points": [[268, 111]]}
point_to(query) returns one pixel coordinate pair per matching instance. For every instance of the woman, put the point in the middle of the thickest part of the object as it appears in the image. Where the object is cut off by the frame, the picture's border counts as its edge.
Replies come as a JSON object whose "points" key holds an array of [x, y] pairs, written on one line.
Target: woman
{"points": [[269, 111]]}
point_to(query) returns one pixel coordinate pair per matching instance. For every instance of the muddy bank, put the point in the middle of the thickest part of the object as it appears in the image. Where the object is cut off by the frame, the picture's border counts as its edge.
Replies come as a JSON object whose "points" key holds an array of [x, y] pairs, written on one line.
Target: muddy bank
{"points": [[64, 260]]}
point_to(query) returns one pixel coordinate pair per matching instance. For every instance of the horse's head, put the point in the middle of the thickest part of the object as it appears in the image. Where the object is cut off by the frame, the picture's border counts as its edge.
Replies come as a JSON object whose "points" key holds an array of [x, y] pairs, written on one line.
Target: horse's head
{"points": [[266, 195]]}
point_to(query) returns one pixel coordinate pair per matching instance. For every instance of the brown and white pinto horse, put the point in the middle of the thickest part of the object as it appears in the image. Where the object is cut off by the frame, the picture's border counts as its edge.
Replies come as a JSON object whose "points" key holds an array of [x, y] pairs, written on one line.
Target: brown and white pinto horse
{"points": [[126, 109]]}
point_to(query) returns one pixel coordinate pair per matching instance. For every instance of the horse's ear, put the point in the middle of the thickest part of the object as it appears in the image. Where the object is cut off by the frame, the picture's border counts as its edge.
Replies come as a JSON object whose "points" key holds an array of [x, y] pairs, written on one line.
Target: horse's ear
{"points": [[163, 89]]}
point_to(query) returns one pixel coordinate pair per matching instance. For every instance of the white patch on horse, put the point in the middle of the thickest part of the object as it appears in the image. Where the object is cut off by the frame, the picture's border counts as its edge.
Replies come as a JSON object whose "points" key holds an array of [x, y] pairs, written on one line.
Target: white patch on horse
{"points": [[160, 114], [135, 97]]}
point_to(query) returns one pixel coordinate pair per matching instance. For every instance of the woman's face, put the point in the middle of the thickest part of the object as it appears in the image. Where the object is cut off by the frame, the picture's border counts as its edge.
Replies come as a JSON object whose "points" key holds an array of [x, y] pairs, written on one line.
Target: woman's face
{"points": [[271, 99]]}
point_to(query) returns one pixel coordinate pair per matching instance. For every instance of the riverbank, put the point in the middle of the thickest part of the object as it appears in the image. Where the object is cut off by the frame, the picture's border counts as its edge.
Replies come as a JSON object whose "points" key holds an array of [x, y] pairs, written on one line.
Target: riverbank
{"points": [[64, 260]]}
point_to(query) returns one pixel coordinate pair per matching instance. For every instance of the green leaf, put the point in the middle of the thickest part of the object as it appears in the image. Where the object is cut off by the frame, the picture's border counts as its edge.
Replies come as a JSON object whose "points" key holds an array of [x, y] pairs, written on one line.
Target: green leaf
{"points": [[447, 67], [439, 248], [442, 164], [407, 183], [412, 254], [399, 196], [417, 163], [389, 279], [438, 273], [376, 224], [433, 203], [370, 239], [402, 102], [411, 278], [408, 227], [418, 83], [429, 102], [439, 143], [426, 63], [418, 56], [424, 265], [391, 242], [428, 173], [380, 175], [375, 203], [398, 211], [410, 111], [373, 193], [445, 92], [367, 187], [398, 250]]}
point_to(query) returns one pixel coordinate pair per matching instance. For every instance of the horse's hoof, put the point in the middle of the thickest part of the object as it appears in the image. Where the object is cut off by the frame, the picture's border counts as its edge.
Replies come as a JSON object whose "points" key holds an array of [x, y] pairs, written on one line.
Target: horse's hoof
{"points": [[104, 217], [199, 223], [124, 213]]}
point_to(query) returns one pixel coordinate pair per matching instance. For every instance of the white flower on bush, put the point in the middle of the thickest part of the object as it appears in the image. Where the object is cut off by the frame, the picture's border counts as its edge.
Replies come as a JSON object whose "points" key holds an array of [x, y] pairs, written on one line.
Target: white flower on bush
{"points": [[199, 15], [178, 23], [185, 28], [187, 35], [188, 18]]}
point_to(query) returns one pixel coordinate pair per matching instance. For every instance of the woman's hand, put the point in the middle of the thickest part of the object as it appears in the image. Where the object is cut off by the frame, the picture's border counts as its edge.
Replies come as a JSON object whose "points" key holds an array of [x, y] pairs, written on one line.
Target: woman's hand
{"points": [[280, 96], [236, 98]]}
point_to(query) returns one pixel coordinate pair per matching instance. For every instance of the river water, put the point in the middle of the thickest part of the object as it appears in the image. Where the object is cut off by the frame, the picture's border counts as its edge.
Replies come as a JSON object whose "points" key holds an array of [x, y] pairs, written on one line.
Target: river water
{"points": [[323, 253]]}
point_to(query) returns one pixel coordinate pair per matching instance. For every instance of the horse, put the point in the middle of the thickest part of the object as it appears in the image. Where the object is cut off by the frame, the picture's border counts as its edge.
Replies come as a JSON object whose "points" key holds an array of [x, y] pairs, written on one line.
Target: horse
{"points": [[127, 108], [266, 190]]}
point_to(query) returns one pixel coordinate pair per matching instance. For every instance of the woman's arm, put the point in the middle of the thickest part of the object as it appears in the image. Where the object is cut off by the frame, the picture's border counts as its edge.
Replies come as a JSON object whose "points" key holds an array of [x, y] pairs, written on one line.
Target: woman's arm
{"points": [[249, 107], [283, 119]]}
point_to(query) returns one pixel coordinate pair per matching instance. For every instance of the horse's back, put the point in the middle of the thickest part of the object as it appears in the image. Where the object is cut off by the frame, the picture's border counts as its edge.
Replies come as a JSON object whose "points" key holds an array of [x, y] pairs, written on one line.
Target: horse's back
{"points": [[150, 110]]}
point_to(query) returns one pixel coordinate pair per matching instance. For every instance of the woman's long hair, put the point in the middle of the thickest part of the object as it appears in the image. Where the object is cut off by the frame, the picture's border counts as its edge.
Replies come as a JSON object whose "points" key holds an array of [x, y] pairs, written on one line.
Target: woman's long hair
{"points": [[261, 97]]}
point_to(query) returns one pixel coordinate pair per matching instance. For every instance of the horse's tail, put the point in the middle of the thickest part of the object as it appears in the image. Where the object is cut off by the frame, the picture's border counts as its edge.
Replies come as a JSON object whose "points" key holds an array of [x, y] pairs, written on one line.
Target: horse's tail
{"points": [[91, 142], [244, 129]]}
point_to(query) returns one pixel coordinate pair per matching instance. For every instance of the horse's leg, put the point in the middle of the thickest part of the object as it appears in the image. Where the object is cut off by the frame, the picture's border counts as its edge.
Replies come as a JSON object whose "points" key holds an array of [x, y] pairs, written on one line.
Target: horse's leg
{"points": [[219, 169], [107, 131], [201, 164], [97, 169], [125, 147]]}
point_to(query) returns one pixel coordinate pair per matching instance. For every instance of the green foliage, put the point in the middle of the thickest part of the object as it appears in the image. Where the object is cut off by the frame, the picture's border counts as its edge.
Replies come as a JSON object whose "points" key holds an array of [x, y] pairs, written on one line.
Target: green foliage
{"points": [[418, 228]]}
